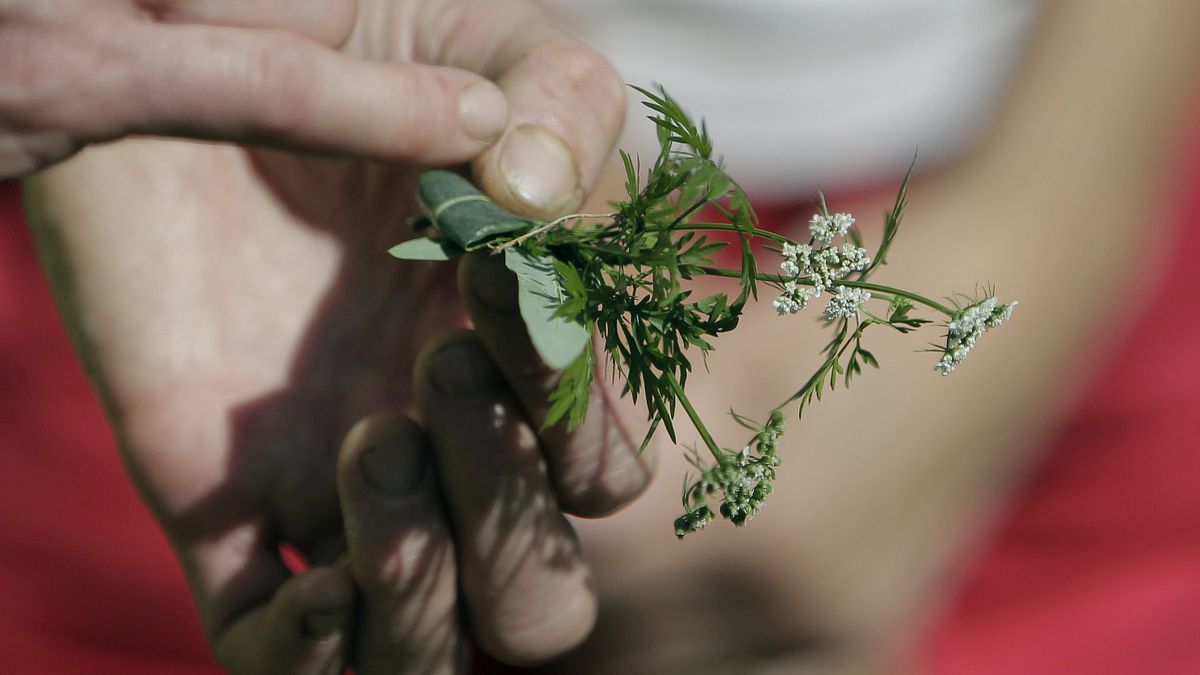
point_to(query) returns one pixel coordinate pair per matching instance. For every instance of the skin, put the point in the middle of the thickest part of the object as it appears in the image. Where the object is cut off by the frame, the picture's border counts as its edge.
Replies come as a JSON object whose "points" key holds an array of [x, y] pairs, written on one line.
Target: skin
{"points": [[331, 76], [275, 378], [856, 544]]}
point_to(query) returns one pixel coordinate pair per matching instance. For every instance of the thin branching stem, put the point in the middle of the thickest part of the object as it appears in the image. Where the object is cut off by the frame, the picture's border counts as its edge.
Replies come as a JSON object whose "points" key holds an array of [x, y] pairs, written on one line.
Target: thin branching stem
{"points": [[726, 227], [779, 279], [695, 417]]}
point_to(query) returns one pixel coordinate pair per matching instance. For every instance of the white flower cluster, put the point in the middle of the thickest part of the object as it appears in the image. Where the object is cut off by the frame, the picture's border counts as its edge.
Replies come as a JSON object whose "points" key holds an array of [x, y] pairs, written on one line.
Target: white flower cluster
{"points": [[794, 298], [846, 302], [744, 480], [823, 266], [825, 228], [965, 329]]}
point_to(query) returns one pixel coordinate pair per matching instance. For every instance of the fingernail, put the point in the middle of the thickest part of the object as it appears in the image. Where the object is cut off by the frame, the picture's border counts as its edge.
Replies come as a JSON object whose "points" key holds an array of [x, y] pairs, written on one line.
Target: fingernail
{"points": [[493, 283], [395, 466], [483, 111], [319, 623], [461, 369], [540, 170]]}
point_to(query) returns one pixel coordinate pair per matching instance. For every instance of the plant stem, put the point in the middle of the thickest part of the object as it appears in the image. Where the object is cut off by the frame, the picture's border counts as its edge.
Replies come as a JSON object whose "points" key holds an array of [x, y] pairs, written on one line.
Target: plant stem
{"points": [[833, 360], [779, 279], [695, 417], [547, 227], [726, 227], [902, 293]]}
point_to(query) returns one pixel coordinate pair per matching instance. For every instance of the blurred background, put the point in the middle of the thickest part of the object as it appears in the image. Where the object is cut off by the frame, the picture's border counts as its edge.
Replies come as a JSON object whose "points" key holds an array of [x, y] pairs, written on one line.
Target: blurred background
{"points": [[1036, 512]]}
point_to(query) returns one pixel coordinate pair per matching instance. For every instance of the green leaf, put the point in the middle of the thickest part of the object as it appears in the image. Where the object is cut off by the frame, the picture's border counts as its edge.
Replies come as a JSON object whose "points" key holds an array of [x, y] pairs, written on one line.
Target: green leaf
{"points": [[891, 224], [868, 357], [570, 397], [558, 341], [464, 214], [425, 248]]}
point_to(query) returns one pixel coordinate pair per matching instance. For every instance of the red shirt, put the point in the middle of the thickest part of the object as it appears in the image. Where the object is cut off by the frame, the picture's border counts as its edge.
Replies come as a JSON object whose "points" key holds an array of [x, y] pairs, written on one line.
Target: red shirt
{"points": [[87, 582]]}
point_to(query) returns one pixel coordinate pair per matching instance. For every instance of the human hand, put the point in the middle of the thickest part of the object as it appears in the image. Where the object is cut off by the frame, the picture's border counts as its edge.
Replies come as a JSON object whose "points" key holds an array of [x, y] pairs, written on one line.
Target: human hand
{"points": [[463, 521], [240, 314], [76, 72]]}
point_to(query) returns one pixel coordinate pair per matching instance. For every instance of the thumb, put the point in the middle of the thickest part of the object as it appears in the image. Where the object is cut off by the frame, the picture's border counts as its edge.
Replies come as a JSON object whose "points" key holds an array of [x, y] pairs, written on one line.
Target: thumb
{"points": [[276, 88]]}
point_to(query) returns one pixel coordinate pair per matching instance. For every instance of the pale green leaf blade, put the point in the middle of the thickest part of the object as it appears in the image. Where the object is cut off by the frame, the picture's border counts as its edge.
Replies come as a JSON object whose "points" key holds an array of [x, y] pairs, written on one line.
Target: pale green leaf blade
{"points": [[558, 341], [424, 248]]}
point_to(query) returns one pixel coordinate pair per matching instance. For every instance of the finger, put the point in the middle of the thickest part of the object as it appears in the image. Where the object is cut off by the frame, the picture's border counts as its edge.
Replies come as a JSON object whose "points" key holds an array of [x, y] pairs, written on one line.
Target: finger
{"points": [[567, 107], [326, 21], [276, 88], [256, 613], [303, 630], [567, 104], [595, 469], [526, 586], [401, 552]]}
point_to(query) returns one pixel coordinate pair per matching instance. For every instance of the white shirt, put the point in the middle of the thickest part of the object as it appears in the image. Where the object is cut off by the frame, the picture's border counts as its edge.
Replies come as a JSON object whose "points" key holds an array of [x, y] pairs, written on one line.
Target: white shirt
{"points": [[798, 92]]}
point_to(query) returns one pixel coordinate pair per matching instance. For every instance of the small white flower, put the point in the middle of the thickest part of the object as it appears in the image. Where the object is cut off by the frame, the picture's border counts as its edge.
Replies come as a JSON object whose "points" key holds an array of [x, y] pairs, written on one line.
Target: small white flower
{"points": [[842, 222], [826, 228], [963, 332], [1003, 315], [846, 302], [793, 299], [853, 259], [822, 266], [797, 260], [945, 366], [828, 265]]}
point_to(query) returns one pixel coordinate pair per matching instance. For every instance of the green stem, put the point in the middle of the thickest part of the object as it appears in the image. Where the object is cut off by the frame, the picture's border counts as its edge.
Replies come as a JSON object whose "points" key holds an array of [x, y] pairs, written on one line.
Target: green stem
{"points": [[695, 417], [827, 366], [726, 227], [904, 294], [779, 279]]}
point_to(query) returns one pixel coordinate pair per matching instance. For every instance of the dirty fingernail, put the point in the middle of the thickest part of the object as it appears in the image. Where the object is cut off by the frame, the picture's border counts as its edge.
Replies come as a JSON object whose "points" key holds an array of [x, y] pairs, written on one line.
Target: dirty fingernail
{"points": [[395, 466], [331, 598], [461, 369], [323, 623]]}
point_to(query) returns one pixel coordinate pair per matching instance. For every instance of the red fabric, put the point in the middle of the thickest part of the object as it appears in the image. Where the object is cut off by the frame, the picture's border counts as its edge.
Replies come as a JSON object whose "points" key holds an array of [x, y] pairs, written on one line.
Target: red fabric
{"points": [[87, 582], [1096, 569]]}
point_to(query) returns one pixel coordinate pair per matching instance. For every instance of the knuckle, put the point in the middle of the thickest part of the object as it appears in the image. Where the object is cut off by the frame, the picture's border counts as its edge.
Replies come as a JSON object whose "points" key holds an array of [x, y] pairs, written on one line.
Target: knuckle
{"points": [[54, 79], [589, 78]]}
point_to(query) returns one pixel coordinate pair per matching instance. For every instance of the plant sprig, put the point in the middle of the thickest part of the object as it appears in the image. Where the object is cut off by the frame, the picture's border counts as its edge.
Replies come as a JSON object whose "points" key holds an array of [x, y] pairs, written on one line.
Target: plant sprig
{"points": [[622, 280]]}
